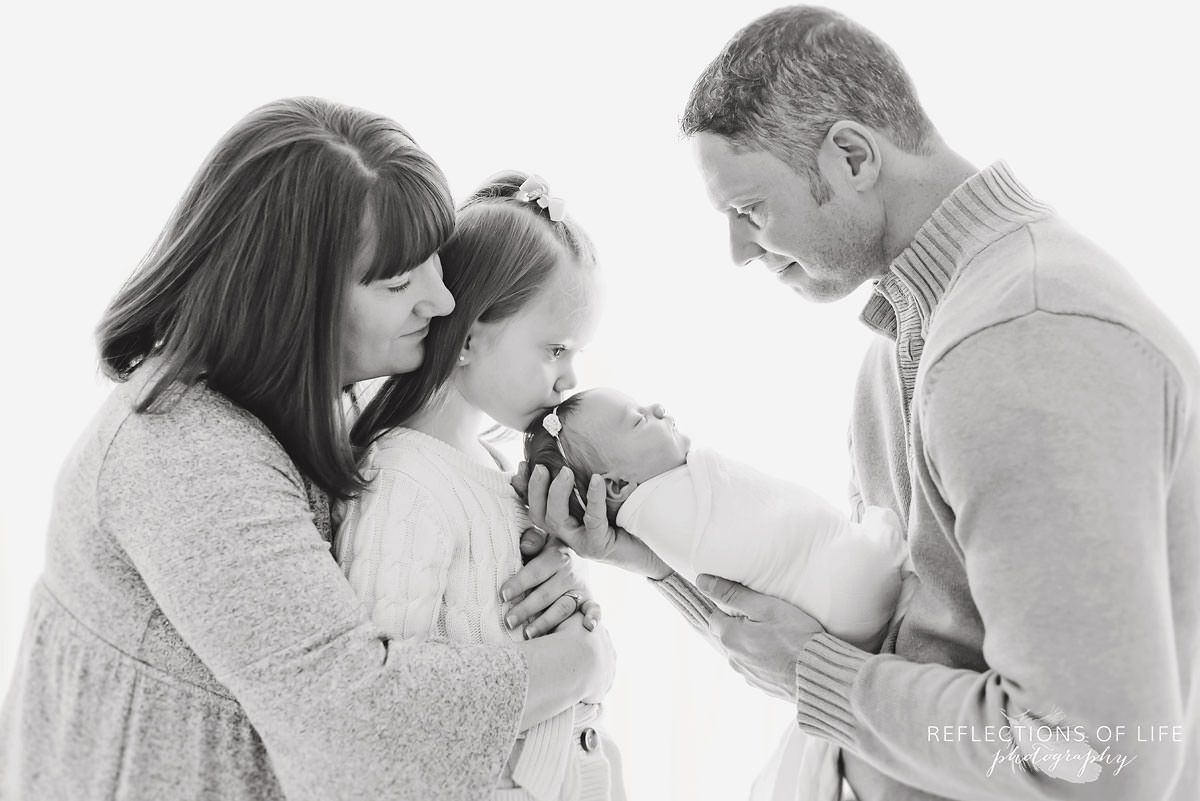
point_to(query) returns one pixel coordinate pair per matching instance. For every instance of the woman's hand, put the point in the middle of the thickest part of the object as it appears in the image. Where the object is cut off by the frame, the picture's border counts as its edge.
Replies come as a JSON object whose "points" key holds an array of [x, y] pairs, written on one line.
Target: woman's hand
{"points": [[602, 657], [539, 592], [594, 538]]}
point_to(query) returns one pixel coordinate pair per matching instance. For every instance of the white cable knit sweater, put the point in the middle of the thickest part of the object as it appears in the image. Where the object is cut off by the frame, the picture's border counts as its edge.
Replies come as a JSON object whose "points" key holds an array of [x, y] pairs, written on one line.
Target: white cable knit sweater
{"points": [[430, 542], [427, 548]]}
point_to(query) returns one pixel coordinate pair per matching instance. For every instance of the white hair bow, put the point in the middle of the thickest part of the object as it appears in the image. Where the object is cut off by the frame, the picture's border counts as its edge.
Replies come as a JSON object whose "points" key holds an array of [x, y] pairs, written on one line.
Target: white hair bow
{"points": [[536, 190]]}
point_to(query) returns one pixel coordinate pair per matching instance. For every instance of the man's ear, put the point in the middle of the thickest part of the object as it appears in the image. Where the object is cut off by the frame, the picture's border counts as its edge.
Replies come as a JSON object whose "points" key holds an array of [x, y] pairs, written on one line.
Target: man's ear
{"points": [[851, 151], [616, 489]]}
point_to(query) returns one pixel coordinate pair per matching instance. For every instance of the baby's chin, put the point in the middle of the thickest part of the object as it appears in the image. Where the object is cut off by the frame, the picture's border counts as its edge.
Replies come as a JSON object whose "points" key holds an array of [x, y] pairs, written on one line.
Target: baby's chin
{"points": [[685, 445]]}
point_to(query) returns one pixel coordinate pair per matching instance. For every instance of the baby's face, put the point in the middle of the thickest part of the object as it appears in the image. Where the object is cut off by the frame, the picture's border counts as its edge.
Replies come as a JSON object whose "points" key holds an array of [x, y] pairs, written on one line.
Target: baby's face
{"points": [[631, 441]]}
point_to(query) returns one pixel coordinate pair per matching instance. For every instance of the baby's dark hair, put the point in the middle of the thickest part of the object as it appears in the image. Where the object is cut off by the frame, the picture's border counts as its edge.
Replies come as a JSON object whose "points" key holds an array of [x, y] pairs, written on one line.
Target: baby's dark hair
{"points": [[542, 448]]}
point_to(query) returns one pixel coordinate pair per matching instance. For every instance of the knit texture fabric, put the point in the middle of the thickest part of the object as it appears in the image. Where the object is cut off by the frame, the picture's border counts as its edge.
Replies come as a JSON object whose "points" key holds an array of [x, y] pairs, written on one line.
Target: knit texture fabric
{"points": [[191, 637], [1045, 457], [428, 547]]}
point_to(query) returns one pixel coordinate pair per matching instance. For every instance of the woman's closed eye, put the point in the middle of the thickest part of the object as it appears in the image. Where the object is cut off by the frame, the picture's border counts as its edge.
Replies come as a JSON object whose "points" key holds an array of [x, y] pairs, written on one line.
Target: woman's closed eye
{"points": [[397, 288]]}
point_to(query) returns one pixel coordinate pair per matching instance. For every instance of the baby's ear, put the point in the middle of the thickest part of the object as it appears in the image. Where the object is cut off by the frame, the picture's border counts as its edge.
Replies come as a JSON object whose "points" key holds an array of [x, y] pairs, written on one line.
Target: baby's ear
{"points": [[617, 489]]}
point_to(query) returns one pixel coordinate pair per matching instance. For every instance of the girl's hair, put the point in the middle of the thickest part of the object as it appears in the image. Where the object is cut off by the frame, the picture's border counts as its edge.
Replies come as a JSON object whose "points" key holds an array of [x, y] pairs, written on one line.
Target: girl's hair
{"points": [[501, 254], [542, 448], [246, 286]]}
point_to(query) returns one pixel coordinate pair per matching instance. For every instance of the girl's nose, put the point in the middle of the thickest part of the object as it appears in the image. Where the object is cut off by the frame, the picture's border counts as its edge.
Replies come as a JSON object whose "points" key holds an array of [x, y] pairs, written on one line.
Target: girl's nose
{"points": [[566, 381]]}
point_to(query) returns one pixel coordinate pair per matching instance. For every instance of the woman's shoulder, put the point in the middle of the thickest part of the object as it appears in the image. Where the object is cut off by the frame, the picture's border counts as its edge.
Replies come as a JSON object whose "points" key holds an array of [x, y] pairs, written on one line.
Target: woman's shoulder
{"points": [[193, 424]]}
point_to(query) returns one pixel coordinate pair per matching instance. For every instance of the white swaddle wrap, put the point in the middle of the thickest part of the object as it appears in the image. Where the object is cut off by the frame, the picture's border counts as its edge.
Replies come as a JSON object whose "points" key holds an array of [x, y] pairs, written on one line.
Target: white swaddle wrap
{"points": [[715, 515]]}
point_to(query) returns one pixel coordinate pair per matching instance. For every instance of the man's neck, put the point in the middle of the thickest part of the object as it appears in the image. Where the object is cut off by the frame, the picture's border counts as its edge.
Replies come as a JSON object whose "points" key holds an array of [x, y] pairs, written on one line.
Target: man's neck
{"points": [[915, 187]]}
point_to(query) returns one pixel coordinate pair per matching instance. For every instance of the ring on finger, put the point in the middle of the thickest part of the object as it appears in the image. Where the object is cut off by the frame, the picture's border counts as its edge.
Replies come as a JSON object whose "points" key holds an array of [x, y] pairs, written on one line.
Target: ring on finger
{"points": [[574, 596]]}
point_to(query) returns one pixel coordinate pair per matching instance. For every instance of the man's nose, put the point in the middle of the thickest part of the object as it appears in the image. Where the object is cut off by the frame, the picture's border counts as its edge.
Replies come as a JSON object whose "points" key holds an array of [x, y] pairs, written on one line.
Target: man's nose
{"points": [[742, 247]]}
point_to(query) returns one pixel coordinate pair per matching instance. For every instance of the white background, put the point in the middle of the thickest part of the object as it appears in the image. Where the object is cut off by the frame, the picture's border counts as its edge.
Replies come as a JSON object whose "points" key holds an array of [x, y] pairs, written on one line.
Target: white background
{"points": [[109, 109]]}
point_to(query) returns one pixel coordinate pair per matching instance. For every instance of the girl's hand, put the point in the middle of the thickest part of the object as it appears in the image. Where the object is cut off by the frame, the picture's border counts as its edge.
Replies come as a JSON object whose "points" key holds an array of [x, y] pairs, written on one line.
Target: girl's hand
{"points": [[594, 538], [539, 592], [602, 657]]}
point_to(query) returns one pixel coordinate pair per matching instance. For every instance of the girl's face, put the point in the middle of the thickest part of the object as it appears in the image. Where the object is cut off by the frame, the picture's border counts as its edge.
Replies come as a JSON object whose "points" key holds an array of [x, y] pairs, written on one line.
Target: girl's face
{"points": [[385, 322], [514, 367]]}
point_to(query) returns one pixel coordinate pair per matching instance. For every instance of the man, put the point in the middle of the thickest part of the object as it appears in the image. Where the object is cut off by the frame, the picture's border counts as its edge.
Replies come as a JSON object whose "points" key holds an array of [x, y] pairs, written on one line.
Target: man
{"points": [[1032, 418]]}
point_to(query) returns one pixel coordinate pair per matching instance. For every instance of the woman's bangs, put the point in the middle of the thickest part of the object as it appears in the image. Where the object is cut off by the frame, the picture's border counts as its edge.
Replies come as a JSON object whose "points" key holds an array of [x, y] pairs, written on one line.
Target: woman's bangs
{"points": [[414, 216]]}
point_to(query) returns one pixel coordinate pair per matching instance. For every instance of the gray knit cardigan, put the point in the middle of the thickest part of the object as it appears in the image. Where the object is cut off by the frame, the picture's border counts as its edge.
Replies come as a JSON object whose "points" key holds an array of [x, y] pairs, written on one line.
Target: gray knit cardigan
{"points": [[192, 637]]}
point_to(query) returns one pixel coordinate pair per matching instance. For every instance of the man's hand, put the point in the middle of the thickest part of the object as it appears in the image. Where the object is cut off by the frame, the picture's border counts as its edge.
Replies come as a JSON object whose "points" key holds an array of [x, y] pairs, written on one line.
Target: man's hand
{"points": [[594, 538], [762, 638]]}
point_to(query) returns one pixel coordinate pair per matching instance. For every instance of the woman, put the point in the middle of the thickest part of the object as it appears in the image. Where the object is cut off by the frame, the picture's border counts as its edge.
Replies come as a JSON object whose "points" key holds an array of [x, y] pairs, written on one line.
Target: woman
{"points": [[191, 635]]}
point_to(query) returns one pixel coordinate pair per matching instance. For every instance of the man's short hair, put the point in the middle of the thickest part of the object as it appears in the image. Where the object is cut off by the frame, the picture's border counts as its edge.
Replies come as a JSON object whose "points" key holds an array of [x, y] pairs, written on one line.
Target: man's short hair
{"points": [[782, 81]]}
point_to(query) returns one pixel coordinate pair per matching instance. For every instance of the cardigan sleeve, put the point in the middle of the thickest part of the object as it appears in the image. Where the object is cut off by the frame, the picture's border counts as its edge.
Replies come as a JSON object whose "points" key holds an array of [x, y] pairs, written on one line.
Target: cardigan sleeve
{"points": [[396, 549], [214, 517], [1047, 447]]}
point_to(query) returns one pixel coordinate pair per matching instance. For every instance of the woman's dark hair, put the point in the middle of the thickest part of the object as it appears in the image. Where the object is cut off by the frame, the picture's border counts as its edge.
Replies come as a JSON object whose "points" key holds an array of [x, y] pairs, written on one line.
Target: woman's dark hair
{"points": [[501, 254], [542, 448], [246, 286]]}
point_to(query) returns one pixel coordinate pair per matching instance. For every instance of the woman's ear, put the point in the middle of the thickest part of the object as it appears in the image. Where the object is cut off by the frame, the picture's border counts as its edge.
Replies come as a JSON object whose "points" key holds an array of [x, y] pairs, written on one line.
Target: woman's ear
{"points": [[618, 490]]}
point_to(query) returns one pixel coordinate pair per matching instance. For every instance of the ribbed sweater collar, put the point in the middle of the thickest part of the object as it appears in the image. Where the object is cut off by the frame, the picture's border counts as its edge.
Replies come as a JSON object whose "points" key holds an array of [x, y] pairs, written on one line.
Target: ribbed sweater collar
{"points": [[493, 478], [986, 207]]}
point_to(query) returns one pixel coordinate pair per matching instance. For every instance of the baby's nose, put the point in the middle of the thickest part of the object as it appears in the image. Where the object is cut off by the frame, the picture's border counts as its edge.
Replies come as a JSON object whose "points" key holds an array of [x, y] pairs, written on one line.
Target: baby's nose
{"points": [[658, 410]]}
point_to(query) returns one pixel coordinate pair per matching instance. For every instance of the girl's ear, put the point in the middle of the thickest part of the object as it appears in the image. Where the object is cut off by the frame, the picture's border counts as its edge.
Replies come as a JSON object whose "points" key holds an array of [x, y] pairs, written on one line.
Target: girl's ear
{"points": [[618, 490], [478, 335], [464, 355]]}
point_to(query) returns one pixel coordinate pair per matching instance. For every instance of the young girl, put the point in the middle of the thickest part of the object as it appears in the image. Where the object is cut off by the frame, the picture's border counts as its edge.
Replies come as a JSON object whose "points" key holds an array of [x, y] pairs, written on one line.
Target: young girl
{"points": [[430, 543]]}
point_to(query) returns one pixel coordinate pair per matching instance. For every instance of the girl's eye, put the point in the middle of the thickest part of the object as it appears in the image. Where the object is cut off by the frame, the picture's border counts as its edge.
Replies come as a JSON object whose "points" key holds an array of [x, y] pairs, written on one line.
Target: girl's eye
{"points": [[398, 288]]}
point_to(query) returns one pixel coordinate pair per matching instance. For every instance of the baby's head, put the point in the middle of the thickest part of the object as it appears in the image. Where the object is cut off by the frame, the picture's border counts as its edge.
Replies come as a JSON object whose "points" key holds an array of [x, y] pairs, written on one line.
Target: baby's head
{"points": [[604, 432]]}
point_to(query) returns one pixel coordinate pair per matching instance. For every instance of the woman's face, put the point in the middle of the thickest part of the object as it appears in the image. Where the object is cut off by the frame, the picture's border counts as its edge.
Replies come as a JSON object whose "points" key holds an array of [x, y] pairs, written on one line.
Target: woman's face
{"points": [[513, 368], [385, 321]]}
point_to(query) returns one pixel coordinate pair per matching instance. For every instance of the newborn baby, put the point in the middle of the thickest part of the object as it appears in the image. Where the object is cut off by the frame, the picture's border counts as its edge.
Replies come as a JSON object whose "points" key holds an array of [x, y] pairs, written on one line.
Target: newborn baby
{"points": [[704, 513]]}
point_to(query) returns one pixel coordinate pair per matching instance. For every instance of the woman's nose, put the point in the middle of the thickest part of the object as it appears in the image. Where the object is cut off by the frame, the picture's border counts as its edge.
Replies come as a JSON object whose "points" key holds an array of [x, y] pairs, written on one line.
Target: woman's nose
{"points": [[438, 301]]}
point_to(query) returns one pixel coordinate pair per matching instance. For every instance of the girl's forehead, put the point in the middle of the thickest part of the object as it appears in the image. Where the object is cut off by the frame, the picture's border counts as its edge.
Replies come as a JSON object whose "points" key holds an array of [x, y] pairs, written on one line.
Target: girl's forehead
{"points": [[565, 303]]}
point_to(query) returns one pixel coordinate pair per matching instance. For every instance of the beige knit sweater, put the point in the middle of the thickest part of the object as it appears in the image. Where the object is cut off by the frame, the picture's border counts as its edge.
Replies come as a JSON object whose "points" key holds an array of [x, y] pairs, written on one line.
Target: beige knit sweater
{"points": [[1034, 420]]}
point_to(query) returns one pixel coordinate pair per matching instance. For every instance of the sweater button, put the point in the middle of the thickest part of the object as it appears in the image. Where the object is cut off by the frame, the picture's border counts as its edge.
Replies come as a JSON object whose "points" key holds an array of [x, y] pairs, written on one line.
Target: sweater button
{"points": [[589, 739]]}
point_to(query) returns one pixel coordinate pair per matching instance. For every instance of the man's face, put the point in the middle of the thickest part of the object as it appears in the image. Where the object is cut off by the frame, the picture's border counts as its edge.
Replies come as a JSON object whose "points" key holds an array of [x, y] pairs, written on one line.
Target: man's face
{"points": [[822, 252]]}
